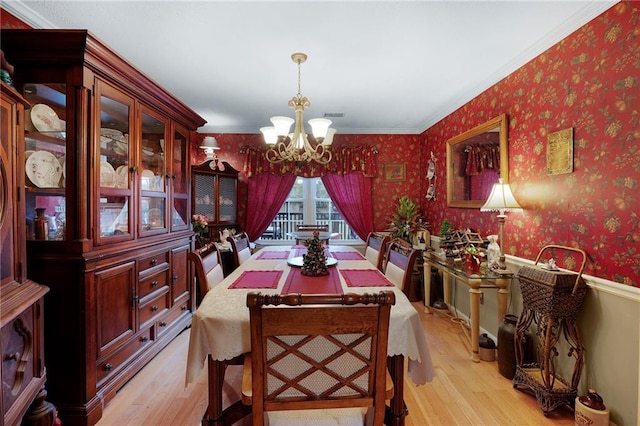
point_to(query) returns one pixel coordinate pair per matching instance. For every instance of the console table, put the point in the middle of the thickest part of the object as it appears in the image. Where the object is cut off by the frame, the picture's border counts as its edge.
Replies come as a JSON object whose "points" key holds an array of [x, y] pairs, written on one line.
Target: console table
{"points": [[475, 282]]}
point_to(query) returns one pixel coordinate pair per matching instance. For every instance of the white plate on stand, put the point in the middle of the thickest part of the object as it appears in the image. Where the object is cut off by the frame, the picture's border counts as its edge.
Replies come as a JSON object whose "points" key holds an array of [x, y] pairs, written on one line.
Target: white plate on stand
{"points": [[43, 169]]}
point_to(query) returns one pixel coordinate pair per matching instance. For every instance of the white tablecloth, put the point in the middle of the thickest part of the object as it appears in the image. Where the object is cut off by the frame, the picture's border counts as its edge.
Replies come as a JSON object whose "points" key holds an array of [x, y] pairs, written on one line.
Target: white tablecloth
{"points": [[220, 326]]}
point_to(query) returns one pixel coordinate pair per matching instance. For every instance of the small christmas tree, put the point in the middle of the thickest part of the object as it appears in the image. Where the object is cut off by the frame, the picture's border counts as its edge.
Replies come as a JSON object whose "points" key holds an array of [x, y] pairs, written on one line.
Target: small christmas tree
{"points": [[314, 263]]}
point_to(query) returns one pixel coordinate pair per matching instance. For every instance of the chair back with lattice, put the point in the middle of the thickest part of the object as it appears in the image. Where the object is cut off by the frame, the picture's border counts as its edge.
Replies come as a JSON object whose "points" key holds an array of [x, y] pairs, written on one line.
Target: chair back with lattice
{"points": [[318, 352], [400, 261], [240, 247], [207, 269], [375, 249]]}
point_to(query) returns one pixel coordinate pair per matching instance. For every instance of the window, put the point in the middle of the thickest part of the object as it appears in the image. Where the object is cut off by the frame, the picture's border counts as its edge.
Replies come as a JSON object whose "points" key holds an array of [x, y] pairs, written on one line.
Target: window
{"points": [[308, 203]]}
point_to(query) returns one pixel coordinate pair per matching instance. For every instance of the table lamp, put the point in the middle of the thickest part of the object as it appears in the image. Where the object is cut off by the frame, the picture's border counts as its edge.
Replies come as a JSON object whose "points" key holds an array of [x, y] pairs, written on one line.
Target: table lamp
{"points": [[501, 200]]}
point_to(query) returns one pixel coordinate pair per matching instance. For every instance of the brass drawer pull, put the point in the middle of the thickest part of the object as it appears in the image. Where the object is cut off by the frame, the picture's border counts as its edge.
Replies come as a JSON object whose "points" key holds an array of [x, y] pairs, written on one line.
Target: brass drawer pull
{"points": [[154, 262], [144, 339], [108, 367], [163, 324], [154, 308], [154, 284]]}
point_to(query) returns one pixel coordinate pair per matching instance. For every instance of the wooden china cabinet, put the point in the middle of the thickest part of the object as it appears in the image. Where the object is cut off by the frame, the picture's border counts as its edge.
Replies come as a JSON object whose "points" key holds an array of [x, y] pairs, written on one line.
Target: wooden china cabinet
{"points": [[21, 299], [215, 195], [107, 208]]}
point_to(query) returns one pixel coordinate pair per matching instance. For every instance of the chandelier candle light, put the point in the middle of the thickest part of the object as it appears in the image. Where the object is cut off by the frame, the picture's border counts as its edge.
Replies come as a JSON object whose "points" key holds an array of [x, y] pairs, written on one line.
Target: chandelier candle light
{"points": [[501, 200], [296, 147]]}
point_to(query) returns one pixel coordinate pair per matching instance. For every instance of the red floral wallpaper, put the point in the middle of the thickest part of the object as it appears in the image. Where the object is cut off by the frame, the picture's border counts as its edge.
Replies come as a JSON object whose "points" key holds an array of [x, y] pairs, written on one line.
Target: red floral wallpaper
{"points": [[588, 81], [11, 22]]}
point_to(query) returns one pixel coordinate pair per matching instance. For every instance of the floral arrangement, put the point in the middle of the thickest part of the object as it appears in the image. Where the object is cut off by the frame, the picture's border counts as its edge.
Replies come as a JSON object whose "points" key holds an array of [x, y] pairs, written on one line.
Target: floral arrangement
{"points": [[200, 225], [406, 221]]}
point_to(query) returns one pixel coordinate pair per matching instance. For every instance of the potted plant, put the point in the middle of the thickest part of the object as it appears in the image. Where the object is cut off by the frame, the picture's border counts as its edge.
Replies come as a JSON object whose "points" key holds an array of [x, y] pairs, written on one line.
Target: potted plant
{"points": [[406, 221], [473, 259]]}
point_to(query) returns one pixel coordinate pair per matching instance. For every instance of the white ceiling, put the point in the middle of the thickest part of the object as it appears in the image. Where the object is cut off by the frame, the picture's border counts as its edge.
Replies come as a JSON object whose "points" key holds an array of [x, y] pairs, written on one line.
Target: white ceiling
{"points": [[391, 67]]}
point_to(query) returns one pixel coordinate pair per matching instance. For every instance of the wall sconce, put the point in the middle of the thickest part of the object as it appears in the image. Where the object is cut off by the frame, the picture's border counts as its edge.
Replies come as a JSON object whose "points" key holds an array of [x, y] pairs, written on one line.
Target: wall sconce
{"points": [[210, 146], [501, 200]]}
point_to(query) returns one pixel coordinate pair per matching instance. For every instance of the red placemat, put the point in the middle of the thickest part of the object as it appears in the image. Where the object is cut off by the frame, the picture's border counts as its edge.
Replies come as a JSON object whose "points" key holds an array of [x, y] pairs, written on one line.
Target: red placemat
{"points": [[365, 278], [347, 255], [265, 255], [257, 279], [298, 283]]}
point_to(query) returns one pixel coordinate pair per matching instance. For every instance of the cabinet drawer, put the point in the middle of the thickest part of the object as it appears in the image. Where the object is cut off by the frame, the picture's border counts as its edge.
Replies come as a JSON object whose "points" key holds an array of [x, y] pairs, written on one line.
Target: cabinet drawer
{"points": [[177, 312], [153, 283], [154, 306], [154, 260], [117, 361]]}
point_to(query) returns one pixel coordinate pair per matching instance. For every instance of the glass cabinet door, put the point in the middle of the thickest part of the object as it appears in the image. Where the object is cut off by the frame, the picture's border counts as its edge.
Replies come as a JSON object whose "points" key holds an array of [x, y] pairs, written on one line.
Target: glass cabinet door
{"points": [[113, 148], [179, 185], [227, 199], [153, 174], [45, 161]]}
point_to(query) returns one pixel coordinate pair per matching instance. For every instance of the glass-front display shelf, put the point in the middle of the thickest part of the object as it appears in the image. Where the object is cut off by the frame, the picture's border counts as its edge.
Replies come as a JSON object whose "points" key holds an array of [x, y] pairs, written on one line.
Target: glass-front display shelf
{"points": [[45, 161], [153, 174], [115, 165]]}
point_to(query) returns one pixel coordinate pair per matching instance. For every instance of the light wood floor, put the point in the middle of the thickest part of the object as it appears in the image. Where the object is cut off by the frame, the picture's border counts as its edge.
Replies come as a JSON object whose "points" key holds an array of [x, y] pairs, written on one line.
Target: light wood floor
{"points": [[462, 393]]}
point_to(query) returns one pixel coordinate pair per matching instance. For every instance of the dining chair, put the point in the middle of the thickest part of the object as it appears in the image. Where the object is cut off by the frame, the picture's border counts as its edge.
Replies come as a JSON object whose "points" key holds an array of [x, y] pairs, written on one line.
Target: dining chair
{"points": [[314, 354], [241, 248], [400, 260], [375, 249], [207, 268]]}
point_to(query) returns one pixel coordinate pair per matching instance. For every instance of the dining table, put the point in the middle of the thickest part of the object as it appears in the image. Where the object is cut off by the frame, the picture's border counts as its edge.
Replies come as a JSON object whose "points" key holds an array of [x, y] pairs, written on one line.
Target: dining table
{"points": [[220, 332]]}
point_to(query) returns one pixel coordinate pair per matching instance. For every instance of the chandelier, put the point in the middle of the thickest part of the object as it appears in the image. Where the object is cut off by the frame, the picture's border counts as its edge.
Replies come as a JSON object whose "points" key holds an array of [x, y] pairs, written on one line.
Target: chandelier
{"points": [[296, 147]]}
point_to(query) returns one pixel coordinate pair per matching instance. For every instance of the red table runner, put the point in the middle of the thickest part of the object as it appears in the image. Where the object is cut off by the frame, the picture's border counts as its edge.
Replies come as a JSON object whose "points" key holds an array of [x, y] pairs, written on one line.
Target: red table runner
{"points": [[298, 283], [272, 255], [365, 278], [347, 255], [257, 279]]}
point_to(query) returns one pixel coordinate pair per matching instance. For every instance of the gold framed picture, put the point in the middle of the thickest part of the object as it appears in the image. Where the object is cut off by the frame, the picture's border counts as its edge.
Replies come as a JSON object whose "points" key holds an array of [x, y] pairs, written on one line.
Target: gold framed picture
{"points": [[394, 172], [560, 152]]}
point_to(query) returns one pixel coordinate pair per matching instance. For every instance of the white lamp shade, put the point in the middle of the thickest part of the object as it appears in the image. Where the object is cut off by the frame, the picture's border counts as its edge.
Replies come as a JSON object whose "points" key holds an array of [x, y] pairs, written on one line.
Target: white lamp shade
{"points": [[501, 199], [209, 142], [329, 138], [319, 127], [270, 135], [282, 124]]}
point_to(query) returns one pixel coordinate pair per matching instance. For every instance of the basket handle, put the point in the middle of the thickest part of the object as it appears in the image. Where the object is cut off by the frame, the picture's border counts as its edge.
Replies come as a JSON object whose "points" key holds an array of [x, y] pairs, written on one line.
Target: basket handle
{"points": [[584, 260]]}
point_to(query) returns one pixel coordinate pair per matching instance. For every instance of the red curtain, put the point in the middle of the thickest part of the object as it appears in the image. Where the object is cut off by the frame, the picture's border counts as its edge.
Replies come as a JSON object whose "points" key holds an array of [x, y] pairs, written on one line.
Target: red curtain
{"points": [[266, 194], [351, 194]]}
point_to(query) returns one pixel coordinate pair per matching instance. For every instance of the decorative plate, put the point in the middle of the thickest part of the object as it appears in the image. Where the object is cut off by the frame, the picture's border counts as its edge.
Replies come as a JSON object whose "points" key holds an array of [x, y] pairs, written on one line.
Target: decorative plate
{"points": [[122, 177], [63, 163], [431, 192], [107, 175], [299, 261], [45, 119], [431, 170], [107, 135], [43, 169]]}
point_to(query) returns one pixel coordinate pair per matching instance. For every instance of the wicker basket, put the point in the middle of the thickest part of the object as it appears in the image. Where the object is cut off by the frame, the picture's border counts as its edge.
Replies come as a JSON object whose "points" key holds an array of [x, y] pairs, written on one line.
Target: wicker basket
{"points": [[552, 292]]}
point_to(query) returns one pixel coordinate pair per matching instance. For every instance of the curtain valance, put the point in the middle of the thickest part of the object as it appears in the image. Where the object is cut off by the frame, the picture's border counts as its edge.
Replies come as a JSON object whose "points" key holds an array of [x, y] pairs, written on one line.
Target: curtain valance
{"points": [[344, 160], [481, 157]]}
